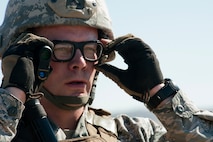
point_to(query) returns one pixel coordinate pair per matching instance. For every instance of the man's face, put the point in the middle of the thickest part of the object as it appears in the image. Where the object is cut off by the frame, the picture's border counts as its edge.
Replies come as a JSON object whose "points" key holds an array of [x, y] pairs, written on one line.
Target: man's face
{"points": [[75, 77]]}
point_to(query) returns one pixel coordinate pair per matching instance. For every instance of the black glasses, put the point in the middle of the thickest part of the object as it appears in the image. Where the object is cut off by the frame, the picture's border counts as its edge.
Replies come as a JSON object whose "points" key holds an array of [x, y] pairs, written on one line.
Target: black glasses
{"points": [[64, 51]]}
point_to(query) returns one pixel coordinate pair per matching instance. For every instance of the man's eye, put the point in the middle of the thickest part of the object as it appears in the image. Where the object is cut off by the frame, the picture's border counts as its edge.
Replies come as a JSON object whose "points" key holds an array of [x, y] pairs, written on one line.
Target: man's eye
{"points": [[63, 51]]}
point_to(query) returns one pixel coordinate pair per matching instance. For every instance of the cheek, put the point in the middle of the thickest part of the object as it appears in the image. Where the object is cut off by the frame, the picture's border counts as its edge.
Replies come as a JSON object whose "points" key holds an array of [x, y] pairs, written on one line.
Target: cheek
{"points": [[55, 71], [90, 66], [51, 83], [55, 66], [93, 74], [91, 80]]}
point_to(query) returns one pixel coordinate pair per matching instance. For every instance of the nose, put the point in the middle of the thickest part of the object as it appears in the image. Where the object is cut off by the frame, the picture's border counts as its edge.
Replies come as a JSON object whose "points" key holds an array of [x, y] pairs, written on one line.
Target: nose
{"points": [[78, 61]]}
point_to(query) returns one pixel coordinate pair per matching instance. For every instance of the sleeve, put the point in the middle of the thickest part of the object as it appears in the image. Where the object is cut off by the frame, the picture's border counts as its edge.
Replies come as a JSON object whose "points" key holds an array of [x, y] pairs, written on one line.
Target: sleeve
{"points": [[10, 113], [184, 121], [139, 129]]}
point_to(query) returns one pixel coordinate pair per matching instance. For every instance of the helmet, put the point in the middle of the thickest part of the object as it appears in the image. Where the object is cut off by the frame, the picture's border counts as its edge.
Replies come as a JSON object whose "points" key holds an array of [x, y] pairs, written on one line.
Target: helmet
{"points": [[22, 15]]}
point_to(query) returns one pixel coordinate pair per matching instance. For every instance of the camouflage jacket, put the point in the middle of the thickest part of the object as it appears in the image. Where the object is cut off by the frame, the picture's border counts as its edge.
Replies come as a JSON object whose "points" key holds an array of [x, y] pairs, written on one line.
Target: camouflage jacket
{"points": [[182, 120]]}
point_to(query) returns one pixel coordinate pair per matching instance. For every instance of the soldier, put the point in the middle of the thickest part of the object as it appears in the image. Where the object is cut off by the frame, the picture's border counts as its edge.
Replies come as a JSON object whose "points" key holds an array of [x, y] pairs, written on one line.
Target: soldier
{"points": [[76, 36]]}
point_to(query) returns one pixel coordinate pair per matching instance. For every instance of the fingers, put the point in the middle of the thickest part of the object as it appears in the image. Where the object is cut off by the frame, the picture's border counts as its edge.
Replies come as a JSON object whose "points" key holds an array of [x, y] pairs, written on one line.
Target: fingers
{"points": [[28, 45], [128, 47], [105, 41], [111, 46], [32, 40], [110, 71]]}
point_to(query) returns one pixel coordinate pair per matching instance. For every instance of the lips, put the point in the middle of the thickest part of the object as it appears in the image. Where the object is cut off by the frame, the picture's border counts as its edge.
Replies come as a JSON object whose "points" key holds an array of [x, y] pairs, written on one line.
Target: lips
{"points": [[77, 84]]}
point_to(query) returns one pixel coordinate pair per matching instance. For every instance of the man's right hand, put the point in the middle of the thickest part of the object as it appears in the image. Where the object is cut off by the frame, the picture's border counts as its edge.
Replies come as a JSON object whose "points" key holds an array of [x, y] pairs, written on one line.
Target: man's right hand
{"points": [[20, 61]]}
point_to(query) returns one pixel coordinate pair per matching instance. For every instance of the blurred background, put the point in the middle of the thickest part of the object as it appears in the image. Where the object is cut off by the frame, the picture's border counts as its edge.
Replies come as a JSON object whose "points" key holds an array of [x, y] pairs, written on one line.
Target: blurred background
{"points": [[180, 33]]}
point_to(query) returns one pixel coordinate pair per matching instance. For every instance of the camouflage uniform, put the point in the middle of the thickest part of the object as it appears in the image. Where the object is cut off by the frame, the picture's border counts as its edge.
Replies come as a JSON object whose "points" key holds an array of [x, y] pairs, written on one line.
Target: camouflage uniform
{"points": [[11, 111], [183, 121]]}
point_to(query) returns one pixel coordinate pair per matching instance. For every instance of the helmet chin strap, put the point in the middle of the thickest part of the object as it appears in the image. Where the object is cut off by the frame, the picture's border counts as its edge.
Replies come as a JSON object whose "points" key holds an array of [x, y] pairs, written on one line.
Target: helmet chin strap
{"points": [[66, 102], [92, 93]]}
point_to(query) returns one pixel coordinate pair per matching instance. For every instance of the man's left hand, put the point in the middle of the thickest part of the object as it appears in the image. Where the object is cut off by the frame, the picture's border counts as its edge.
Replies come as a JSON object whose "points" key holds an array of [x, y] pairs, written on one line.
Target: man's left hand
{"points": [[143, 72]]}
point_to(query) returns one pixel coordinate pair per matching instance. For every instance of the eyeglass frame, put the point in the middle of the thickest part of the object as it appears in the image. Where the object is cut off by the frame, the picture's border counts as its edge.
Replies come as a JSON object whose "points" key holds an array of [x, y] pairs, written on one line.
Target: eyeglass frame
{"points": [[77, 45]]}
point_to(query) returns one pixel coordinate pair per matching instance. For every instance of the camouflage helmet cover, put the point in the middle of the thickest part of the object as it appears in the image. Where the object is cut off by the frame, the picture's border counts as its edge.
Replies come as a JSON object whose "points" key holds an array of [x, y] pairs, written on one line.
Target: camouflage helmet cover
{"points": [[26, 14]]}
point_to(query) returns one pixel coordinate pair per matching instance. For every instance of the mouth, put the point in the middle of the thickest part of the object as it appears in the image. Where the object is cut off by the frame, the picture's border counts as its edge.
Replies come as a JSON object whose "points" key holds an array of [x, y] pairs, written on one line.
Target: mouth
{"points": [[77, 83], [75, 87]]}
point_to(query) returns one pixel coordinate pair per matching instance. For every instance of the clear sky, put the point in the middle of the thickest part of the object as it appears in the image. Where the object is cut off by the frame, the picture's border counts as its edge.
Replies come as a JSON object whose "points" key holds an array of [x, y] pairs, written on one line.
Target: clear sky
{"points": [[181, 34]]}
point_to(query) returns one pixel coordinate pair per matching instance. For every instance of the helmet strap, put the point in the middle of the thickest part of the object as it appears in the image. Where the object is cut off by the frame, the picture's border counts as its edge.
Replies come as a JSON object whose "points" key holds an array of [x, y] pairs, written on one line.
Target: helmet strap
{"points": [[92, 93], [66, 102]]}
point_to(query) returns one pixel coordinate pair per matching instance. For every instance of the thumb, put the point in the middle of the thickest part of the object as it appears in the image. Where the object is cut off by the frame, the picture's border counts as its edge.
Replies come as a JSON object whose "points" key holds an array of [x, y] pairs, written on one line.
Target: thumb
{"points": [[110, 71]]}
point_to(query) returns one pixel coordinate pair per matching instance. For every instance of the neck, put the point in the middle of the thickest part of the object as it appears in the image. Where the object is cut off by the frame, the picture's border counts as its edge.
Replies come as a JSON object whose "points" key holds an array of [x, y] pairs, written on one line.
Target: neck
{"points": [[65, 119]]}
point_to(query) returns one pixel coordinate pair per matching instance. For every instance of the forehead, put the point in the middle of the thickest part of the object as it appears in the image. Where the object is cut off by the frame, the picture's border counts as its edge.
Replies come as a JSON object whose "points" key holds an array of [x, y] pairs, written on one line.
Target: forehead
{"points": [[73, 33]]}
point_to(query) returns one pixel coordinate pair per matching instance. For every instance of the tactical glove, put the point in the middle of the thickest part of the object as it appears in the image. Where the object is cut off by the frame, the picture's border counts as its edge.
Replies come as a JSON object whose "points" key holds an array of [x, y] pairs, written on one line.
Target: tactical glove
{"points": [[21, 60], [143, 72]]}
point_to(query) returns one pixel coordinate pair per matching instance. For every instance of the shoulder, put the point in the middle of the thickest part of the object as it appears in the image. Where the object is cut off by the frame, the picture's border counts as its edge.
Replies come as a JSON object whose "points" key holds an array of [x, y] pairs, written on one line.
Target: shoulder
{"points": [[101, 118]]}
